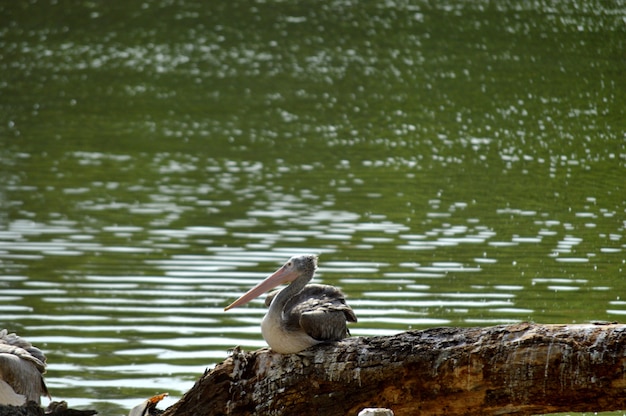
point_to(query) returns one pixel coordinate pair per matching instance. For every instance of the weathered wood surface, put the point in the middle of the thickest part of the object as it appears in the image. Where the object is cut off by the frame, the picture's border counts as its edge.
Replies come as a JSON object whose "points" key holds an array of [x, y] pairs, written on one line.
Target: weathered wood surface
{"points": [[34, 409], [518, 369]]}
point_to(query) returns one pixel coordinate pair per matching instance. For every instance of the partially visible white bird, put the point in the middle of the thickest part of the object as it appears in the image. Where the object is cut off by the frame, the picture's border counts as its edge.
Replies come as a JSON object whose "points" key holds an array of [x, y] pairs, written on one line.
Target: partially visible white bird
{"points": [[21, 371], [148, 407]]}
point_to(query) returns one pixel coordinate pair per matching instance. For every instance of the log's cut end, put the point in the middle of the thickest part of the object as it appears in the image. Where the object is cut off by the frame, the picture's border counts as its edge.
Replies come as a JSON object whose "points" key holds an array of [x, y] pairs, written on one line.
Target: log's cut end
{"points": [[523, 369]]}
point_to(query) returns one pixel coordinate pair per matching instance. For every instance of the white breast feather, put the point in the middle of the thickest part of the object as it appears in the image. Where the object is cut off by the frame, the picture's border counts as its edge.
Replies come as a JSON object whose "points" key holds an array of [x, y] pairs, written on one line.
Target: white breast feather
{"points": [[282, 341]]}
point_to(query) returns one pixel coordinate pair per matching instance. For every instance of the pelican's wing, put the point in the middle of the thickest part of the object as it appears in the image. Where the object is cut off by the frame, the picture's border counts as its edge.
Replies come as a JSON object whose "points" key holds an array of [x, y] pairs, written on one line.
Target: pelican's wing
{"points": [[22, 348], [325, 325], [320, 311], [22, 366]]}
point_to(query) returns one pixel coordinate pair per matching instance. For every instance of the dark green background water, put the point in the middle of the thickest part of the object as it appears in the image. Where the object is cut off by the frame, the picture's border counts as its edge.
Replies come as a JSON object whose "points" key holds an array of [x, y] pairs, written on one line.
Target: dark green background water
{"points": [[454, 163]]}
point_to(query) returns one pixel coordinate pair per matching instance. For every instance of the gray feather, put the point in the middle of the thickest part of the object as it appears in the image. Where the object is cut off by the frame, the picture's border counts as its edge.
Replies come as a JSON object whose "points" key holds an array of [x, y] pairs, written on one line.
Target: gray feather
{"points": [[22, 366], [321, 311]]}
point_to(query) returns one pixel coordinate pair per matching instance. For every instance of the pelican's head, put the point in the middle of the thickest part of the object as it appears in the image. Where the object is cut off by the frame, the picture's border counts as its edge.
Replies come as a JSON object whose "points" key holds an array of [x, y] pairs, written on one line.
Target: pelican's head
{"points": [[305, 264], [290, 271]]}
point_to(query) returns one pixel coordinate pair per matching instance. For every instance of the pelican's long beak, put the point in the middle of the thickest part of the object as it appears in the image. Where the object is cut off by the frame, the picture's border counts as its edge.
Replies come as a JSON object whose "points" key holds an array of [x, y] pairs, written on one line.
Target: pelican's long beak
{"points": [[280, 276]]}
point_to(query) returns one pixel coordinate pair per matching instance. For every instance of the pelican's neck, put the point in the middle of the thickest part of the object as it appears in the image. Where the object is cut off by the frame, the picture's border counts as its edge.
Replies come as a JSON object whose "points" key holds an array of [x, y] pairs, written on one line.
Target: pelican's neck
{"points": [[290, 291], [280, 338]]}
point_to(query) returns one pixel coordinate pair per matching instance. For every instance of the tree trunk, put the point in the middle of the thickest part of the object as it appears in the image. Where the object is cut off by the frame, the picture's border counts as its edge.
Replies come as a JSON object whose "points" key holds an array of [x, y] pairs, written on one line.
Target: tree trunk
{"points": [[520, 369]]}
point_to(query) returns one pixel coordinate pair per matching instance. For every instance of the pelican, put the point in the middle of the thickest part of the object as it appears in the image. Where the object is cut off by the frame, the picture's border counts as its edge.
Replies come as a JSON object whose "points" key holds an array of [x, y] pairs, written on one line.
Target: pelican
{"points": [[300, 315], [21, 371]]}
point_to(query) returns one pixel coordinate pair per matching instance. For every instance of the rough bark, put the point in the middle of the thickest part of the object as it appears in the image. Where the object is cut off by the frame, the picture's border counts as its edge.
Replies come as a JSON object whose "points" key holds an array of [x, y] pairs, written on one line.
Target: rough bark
{"points": [[519, 369], [34, 409]]}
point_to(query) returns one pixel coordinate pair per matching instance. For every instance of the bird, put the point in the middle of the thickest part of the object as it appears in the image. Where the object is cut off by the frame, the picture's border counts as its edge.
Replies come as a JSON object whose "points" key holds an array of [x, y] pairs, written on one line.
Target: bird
{"points": [[300, 315], [148, 407], [21, 371]]}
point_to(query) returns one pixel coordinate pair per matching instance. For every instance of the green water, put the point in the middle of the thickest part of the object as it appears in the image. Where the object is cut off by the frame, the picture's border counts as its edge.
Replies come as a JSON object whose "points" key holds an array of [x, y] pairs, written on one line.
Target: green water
{"points": [[454, 163]]}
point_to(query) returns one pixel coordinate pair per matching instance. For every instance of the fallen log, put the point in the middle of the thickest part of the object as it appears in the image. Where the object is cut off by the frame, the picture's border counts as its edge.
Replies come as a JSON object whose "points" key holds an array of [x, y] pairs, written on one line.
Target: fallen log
{"points": [[32, 408], [520, 369]]}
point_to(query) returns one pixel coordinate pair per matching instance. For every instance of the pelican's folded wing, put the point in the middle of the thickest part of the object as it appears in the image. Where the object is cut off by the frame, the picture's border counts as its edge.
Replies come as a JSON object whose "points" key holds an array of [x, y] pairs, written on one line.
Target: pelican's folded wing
{"points": [[325, 324]]}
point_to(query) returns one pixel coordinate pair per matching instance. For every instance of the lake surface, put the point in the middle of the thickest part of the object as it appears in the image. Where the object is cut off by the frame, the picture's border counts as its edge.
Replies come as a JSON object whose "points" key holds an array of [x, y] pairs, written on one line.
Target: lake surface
{"points": [[453, 163]]}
